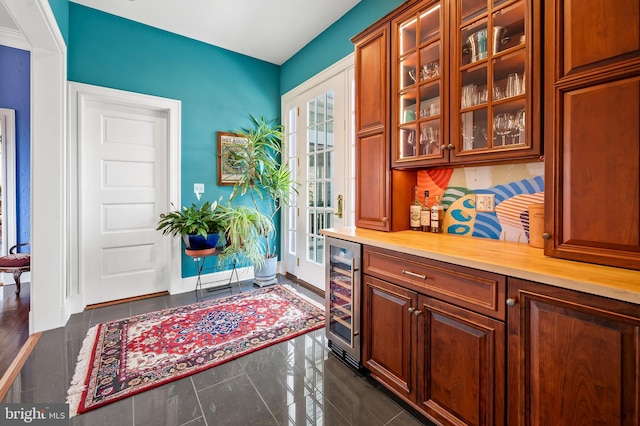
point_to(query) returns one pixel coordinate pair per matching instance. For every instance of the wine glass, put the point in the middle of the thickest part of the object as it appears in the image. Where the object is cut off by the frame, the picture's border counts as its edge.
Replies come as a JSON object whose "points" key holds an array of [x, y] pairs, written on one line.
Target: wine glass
{"points": [[426, 137], [502, 124], [468, 136], [411, 140], [519, 121]]}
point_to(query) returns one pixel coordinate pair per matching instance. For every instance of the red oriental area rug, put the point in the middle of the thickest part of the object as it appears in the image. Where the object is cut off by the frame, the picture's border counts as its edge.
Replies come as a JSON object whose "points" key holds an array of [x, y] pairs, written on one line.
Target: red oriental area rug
{"points": [[121, 358]]}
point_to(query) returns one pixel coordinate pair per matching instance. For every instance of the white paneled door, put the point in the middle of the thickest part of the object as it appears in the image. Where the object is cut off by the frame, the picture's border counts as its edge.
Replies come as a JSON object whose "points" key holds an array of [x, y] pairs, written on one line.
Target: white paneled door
{"points": [[123, 183], [318, 141]]}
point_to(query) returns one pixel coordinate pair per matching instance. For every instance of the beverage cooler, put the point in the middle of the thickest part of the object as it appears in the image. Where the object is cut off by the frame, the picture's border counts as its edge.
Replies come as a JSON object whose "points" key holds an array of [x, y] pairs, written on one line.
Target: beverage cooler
{"points": [[342, 299]]}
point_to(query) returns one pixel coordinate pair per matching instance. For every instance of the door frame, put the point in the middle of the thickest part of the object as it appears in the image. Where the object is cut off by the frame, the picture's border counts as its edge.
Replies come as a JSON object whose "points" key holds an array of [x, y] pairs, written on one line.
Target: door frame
{"points": [[342, 66], [79, 95]]}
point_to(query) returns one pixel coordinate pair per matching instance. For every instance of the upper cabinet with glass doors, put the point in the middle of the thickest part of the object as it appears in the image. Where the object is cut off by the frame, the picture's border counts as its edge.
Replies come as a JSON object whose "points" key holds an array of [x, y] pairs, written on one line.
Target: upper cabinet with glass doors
{"points": [[465, 83], [419, 81]]}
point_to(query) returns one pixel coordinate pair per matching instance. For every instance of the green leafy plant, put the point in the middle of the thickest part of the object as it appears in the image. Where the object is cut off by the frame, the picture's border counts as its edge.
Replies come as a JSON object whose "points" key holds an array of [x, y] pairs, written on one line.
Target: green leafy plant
{"points": [[243, 233], [193, 220], [263, 176]]}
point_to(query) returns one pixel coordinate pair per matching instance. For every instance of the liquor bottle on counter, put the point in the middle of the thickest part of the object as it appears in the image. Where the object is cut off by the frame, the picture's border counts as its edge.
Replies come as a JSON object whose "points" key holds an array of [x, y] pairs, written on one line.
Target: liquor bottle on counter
{"points": [[437, 216], [414, 211], [425, 214]]}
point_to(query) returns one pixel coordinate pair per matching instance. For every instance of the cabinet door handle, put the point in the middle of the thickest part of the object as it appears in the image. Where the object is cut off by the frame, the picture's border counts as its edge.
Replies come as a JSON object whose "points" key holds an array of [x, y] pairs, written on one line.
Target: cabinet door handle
{"points": [[410, 310], [417, 313], [385, 219], [413, 274], [546, 236], [511, 302], [450, 146]]}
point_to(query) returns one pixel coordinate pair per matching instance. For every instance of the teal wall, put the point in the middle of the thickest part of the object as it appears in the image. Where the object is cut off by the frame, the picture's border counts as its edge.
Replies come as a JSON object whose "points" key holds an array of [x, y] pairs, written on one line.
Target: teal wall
{"points": [[333, 44], [218, 88], [60, 10]]}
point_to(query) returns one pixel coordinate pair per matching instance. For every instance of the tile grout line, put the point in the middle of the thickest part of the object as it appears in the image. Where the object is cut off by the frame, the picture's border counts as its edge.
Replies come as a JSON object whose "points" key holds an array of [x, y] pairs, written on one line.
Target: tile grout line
{"points": [[199, 403]]}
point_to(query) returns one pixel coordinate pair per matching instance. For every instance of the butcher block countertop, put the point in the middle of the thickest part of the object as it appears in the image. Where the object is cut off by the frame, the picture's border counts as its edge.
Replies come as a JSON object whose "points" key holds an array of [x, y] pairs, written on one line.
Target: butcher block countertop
{"points": [[506, 258]]}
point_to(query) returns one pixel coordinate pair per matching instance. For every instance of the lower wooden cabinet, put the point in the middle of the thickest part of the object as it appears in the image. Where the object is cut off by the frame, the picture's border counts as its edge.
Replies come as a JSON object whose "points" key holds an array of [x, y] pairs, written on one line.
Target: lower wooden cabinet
{"points": [[461, 365], [561, 358], [446, 361], [573, 358], [388, 340]]}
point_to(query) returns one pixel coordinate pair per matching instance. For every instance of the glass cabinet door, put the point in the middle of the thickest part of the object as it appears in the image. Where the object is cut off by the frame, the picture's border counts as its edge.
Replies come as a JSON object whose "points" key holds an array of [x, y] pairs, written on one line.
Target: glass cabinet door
{"points": [[418, 85], [491, 85]]}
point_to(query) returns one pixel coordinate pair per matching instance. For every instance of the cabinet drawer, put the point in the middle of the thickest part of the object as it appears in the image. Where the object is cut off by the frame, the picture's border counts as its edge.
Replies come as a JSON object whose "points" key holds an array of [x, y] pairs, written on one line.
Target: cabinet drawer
{"points": [[480, 291]]}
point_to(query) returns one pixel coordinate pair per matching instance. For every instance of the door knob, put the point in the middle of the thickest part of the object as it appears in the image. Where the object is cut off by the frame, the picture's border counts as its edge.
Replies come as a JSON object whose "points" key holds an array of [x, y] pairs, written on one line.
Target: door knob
{"points": [[511, 302]]}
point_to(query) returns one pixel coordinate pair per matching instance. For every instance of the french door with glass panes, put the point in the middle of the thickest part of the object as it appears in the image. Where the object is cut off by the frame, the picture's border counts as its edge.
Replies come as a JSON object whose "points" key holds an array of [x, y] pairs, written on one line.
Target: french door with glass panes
{"points": [[319, 144]]}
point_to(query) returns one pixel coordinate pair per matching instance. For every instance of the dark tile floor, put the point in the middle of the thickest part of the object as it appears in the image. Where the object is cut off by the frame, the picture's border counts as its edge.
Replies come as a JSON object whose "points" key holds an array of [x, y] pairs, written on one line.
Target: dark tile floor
{"points": [[297, 382]]}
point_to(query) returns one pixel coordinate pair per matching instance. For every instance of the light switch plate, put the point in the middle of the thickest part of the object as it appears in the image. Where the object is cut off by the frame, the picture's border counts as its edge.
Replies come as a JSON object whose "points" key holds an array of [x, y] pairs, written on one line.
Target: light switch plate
{"points": [[198, 187], [485, 202]]}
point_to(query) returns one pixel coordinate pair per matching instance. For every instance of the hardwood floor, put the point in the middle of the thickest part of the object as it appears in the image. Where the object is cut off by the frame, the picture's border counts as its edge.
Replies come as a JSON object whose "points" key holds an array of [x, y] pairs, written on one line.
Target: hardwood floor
{"points": [[14, 323]]}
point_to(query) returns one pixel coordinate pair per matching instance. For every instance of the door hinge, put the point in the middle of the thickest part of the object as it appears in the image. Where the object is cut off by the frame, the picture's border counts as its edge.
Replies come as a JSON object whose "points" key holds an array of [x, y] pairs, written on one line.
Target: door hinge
{"points": [[298, 211], [298, 111], [297, 261]]}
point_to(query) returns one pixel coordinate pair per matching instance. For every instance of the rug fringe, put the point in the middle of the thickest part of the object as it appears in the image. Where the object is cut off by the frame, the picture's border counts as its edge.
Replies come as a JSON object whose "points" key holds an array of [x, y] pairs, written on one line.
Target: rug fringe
{"points": [[303, 296], [74, 394]]}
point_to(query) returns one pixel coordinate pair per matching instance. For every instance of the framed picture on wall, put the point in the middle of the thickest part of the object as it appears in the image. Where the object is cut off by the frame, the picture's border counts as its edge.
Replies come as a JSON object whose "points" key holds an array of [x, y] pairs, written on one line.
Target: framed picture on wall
{"points": [[228, 144]]}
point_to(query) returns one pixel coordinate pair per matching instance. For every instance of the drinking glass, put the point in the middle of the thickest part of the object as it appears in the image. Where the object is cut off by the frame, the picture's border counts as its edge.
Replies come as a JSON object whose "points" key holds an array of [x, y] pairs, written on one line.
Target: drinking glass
{"points": [[513, 85], [411, 140], [519, 123], [412, 74], [426, 138], [468, 136], [520, 119], [502, 124]]}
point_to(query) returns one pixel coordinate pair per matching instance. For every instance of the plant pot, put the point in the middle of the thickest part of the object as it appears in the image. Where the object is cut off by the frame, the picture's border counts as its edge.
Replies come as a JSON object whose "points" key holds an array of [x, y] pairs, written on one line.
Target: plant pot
{"points": [[266, 274], [198, 242]]}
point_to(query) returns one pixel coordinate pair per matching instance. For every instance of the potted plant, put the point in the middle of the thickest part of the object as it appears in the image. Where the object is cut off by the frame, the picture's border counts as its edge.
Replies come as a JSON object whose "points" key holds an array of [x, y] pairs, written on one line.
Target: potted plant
{"points": [[199, 226], [267, 181]]}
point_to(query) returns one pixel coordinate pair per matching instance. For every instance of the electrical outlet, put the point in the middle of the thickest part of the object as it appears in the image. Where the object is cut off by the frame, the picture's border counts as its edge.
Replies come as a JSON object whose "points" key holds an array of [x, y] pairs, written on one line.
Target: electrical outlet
{"points": [[485, 202], [198, 187]]}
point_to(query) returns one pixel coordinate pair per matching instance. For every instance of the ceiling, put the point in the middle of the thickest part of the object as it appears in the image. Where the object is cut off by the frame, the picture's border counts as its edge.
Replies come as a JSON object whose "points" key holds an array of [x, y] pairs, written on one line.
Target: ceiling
{"points": [[271, 30]]}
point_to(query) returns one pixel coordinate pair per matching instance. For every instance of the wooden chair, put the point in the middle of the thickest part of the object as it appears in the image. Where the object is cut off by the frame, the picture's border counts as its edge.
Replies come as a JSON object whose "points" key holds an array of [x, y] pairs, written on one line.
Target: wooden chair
{"points": [[16, 263]]}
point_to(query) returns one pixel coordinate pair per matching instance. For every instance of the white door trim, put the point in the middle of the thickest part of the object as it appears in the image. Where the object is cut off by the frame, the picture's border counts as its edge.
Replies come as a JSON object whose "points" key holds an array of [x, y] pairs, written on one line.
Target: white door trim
{"points": [[79, 95], [43, 38]]}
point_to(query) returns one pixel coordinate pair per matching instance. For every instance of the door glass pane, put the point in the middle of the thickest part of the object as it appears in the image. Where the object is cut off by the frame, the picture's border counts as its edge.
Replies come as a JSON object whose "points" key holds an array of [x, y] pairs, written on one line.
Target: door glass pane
{"points": [[508, 27], [408, 72], [320, 165], [429, 24], [408, 142], [329, 165], [474, 133], [408, 35], [408, 107], [470, 9], [320, 173], [430, 138], [474, 42], [320, 109]]}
